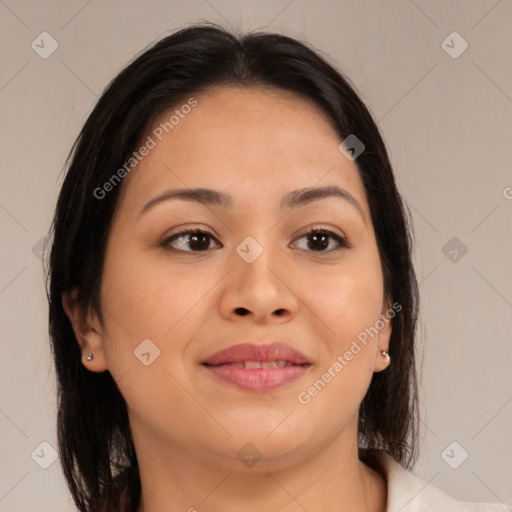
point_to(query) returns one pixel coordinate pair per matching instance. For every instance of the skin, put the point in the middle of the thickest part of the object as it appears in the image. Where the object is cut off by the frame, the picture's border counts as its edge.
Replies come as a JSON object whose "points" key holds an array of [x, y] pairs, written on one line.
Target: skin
{"points": [[256, 144]]}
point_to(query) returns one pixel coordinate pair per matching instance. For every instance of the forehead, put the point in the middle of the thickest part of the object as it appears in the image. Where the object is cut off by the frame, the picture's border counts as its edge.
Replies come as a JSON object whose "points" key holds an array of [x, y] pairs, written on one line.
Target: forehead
{"points": [[254, 142]]}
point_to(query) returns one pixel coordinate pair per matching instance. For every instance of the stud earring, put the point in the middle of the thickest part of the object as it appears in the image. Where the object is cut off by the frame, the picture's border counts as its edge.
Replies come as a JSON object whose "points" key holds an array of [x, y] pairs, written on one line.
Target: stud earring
{"points": [[385, 354], [89, 357]]}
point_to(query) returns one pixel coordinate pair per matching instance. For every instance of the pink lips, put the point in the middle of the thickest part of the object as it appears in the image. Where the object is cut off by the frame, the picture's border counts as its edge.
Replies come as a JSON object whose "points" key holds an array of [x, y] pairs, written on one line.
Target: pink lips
{"points": [[258, 367]]}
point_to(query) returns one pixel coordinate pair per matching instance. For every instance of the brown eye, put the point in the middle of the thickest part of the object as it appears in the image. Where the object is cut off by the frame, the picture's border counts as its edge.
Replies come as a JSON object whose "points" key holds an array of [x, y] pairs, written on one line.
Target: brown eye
{"points": [[189, 240], [318, 240]]}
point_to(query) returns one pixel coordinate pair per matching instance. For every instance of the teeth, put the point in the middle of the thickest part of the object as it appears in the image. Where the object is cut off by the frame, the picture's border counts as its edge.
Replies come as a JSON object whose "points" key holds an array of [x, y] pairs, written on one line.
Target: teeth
{"points": [[251, 365]]}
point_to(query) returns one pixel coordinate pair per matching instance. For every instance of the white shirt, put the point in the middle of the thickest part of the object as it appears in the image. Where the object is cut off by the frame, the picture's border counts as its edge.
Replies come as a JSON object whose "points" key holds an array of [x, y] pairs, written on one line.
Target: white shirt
{"points": [[408, 493]]}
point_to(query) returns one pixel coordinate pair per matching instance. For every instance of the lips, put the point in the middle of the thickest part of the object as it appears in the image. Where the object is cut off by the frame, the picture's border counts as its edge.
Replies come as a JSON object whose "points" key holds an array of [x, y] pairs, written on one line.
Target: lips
{"points": [[257, 367], [262, 353]]}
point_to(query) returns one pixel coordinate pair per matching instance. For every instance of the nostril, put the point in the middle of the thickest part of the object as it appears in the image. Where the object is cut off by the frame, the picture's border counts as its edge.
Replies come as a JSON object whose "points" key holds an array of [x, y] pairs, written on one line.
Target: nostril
{"points": [[241, 311]]}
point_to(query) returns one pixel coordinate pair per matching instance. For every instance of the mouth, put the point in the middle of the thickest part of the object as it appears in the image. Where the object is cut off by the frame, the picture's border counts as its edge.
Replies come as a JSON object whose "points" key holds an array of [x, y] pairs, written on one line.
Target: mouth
{"points": [[257, 368]]}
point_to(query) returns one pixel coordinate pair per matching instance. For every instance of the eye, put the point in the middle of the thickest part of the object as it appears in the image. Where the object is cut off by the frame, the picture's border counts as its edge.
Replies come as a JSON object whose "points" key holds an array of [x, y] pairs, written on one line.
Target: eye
{"points": [[320, 239], [198, 241]]}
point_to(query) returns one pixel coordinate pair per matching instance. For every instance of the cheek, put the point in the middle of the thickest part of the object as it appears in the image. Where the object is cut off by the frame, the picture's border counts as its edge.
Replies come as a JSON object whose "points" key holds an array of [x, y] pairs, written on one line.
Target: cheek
{"points": [[348, 303], [152, 311], [148, 297], [348, 300]]}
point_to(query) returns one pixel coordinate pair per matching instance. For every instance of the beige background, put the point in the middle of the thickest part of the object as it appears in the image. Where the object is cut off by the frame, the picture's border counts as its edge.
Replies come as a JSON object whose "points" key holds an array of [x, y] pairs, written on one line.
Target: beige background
{"points": [[447, 124]]}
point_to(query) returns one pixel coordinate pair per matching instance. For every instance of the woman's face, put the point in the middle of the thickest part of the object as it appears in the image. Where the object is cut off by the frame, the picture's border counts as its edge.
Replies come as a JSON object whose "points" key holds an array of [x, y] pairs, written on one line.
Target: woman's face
{"points": [[251, 276]]}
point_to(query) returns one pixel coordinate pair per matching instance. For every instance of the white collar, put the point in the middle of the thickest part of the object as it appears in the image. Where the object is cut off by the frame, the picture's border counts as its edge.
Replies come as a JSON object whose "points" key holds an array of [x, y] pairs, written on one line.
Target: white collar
{"points": [[408, 493]]}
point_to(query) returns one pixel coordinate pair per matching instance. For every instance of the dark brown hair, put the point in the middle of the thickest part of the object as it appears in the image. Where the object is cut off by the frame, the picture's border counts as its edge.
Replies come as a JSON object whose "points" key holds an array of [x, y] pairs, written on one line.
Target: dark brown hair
{"points": [[96, 448]]}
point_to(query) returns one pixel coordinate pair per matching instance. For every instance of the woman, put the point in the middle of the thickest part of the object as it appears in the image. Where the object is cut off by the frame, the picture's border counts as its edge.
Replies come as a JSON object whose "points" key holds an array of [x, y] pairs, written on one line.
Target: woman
{"points": [[232, 300]]}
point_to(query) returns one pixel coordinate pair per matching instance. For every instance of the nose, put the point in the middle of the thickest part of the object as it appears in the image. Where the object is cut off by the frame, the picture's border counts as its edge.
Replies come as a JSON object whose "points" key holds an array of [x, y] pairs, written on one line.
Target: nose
{"points": [[262, 291]]}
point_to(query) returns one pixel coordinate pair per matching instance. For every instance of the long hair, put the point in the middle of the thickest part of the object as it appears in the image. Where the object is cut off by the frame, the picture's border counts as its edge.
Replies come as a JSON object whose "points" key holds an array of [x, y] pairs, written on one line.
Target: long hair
{"points": [[96, 448]]}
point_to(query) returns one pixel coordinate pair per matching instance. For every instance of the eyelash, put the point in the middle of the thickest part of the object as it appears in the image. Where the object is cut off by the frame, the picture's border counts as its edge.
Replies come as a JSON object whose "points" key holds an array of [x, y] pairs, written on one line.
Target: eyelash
{"points": [[342, 241]]}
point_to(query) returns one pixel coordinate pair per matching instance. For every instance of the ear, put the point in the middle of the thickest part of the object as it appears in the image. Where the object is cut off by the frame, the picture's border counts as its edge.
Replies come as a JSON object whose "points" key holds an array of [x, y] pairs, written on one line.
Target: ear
{"points": [[384, 325], [87, 331]]}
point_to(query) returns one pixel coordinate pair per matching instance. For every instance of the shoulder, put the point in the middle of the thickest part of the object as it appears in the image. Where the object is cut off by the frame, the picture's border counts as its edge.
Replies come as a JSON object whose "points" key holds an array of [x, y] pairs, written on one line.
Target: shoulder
{"points": [[408, 493]]}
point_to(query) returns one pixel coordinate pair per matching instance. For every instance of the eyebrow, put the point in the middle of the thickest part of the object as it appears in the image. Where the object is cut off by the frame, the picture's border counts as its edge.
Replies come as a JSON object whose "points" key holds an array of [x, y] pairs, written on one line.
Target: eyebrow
{"points": [[293, 199]]}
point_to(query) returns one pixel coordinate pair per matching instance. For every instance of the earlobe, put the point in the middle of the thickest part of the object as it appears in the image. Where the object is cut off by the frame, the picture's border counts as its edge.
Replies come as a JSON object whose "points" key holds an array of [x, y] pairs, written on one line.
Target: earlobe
{"points": [[87, 333], [383, 359]]}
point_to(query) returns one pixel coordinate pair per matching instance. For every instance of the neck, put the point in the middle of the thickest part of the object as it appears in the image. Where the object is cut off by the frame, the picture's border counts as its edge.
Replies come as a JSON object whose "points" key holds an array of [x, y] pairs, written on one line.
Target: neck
{"points": [[331, 479]]}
